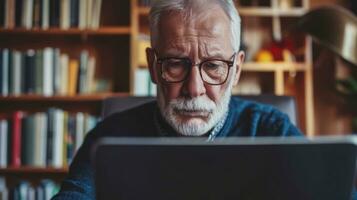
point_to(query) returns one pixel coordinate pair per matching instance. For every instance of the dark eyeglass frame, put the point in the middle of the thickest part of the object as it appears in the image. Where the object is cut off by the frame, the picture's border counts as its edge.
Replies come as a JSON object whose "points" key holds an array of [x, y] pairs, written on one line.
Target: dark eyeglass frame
{"points": [[229, 63]]}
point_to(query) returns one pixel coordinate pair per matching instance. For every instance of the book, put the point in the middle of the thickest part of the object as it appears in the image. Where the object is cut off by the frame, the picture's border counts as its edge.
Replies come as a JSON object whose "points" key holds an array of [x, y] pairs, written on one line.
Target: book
{"points": [[83, 68], [64, 68], [29, 71], [4, 193], [90, 76], [79, 130], [16, 139], [97, 7], [45, 14], [27, 14], [48, 65], [73, 76], [65, 14], [57, 76], [28, 141], [58, 147], [37, 13], [74, 13], [3, 143], [4, 90], [18, 13], [82, 24], [9, 14], [55, 13], [39, 72], [40, 140], [16, 72]]}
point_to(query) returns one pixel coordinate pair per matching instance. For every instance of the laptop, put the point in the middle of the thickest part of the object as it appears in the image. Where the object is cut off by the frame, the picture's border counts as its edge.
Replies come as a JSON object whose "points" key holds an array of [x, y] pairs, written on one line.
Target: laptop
{"points": [[224, 169]]}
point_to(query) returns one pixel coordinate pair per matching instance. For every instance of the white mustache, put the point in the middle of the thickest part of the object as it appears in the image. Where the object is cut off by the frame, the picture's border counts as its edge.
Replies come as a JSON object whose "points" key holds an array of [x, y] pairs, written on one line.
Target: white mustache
{"points": [[197, 104]]}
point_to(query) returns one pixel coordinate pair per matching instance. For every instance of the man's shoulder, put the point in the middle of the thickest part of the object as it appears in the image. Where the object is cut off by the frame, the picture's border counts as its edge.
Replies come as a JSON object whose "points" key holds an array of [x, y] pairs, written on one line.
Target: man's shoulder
{"points": [[249, 107], [137, 121], [251, 118]]}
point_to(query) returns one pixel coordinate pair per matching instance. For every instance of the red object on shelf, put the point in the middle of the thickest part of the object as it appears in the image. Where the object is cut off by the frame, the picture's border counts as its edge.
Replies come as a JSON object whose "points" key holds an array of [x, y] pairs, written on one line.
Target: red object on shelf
{"points": [[16, 139]]}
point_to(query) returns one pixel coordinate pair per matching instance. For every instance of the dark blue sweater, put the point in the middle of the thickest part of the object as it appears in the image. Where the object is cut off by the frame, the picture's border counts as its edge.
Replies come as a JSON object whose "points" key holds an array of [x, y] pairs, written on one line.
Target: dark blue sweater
{"points": [[244, 118]]}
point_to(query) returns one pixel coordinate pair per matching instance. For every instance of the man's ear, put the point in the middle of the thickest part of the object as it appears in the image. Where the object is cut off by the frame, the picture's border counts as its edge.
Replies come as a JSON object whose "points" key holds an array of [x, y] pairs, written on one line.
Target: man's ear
{"points": [[238, 65], [150, 56]]}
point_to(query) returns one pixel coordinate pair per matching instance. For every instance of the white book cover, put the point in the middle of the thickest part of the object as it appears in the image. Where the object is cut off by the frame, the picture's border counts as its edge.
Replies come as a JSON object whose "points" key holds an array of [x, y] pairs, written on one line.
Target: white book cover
{"points": [[3, 143], [17, 71], [64, 60], [141, 83], [57, 79], [45, 12], [48, 71], [97, 7], [5, 72], [79, 130], [90, 79], [65, 14], [82, 14], [58, 138], [27, 14], [89, 13], [40, 139]]}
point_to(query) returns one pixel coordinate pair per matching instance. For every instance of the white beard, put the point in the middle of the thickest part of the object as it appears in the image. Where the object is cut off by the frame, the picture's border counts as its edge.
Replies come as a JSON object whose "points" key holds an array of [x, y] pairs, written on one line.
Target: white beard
{"points": [[204, 112]]}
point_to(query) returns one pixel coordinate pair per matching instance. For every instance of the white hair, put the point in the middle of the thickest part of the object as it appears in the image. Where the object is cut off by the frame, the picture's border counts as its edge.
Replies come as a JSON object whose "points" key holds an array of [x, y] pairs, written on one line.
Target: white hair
{"points": [[161, 6]]}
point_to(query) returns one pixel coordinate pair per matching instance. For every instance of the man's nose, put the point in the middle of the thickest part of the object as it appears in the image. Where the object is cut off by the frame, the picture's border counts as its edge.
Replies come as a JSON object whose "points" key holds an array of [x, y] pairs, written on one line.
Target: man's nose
{"points": [[194, 85]]}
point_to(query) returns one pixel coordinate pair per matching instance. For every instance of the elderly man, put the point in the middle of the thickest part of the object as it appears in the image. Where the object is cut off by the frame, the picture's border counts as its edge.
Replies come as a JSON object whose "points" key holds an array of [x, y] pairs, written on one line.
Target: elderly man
{"points": [[195, 61]]}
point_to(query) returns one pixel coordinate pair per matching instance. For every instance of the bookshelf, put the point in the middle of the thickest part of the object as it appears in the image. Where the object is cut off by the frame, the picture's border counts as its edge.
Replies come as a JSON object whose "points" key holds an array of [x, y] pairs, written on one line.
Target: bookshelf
{"points": [[279, 77], [107, 41]]}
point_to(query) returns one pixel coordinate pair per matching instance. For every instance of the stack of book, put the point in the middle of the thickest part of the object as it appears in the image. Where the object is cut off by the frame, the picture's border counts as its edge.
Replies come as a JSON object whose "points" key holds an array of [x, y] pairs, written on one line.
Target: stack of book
{"points": [[44, 139], [45, 72], [24, 190], [44, 14]]}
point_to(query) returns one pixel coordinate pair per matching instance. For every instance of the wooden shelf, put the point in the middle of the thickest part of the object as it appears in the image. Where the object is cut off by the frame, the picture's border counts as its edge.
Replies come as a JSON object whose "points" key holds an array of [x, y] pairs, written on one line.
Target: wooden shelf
{"points": [[274, 66], [32, 170], [269, 12], [75, 98], [69, 32], [248, 11]]}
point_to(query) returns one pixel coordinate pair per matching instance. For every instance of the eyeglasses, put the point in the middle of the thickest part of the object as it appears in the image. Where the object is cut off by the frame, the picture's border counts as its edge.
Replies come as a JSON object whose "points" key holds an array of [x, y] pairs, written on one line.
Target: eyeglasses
{"points": [[212, 71]]}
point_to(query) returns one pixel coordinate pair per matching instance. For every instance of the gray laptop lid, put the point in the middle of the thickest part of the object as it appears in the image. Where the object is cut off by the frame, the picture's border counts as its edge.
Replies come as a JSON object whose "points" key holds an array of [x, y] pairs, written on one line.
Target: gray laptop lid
{"points": [[231, 168]]}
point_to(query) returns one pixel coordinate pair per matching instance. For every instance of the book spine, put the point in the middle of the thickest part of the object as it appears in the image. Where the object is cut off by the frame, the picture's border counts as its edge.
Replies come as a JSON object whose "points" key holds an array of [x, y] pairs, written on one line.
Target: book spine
{"points": [[54, 13], [82, 14], [10, 14], [16, 139], [57, 75], [18, 13], [82, 85], [17, 73], [39, 72], [64, 74], [48, 71], [5, 72], [45, 14], [96, 14], [73, 76], [58, 139], [36, 14], [3, 143], [65, 14], [74, 13]]}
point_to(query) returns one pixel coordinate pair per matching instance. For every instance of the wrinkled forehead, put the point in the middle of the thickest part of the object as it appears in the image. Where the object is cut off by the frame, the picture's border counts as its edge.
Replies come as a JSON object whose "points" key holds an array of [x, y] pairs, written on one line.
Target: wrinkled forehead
{"points": [[180, 28]]}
